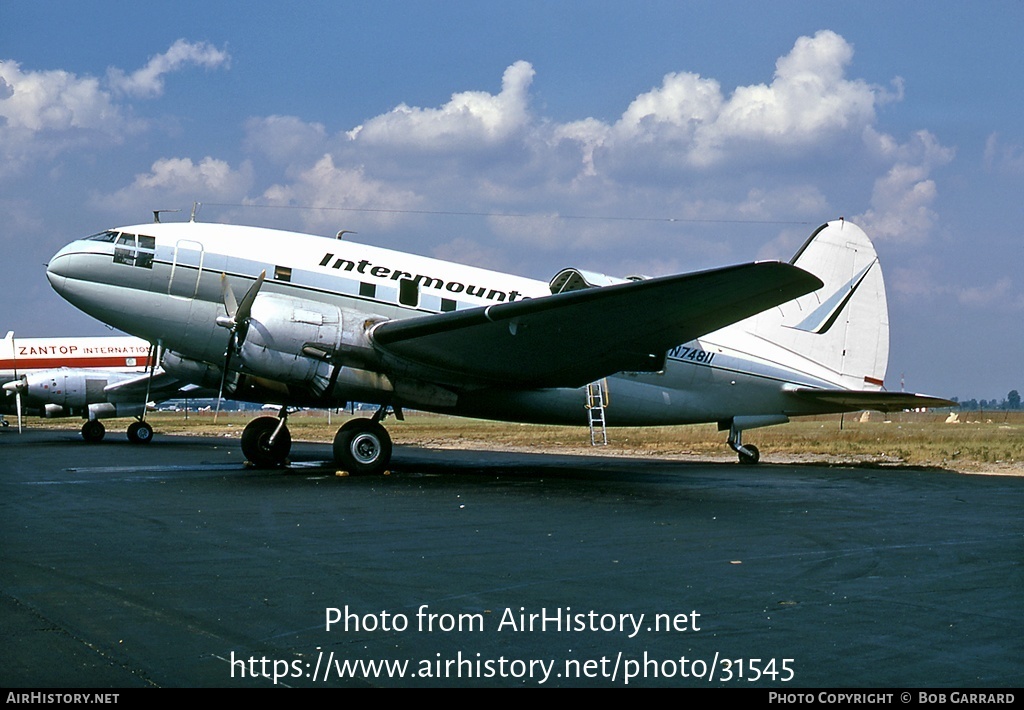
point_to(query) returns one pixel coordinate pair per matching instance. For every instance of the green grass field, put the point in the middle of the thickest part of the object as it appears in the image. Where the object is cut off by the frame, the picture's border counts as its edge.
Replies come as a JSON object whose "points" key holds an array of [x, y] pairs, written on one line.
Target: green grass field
{"points": [[981, 441]]}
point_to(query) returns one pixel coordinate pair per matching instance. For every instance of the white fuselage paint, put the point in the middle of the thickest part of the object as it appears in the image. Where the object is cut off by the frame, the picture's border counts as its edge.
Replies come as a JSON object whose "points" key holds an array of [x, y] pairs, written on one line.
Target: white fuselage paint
{"points": [[167, 287]]}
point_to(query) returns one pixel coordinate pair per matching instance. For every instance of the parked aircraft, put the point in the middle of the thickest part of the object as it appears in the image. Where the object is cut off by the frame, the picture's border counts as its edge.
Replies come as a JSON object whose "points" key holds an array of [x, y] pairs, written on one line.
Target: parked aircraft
{"points": [[321, 322], [91, 377]]}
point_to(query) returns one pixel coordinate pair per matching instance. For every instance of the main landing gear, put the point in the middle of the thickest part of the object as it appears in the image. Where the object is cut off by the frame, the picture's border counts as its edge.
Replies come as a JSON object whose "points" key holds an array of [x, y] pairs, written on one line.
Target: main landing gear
{"points": [[266, 441], [361, 446], [139, 432]]}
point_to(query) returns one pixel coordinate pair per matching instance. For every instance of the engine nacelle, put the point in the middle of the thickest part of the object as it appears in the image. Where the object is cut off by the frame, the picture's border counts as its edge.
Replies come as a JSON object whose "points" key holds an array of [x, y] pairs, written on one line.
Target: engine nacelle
{"points": [[286, 335], [578, 279], [192, 371], [63, 392]]}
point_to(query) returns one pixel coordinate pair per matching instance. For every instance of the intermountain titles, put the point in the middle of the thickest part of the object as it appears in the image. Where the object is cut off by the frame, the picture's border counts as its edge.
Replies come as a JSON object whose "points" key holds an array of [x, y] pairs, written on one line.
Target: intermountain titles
{"points": [[367, 268]]}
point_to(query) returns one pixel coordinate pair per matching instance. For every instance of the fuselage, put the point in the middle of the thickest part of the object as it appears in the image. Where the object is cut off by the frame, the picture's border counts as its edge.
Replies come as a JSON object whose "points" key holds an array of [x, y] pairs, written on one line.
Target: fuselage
{"points": [[166, 283], [120, 353], [62, 376]]}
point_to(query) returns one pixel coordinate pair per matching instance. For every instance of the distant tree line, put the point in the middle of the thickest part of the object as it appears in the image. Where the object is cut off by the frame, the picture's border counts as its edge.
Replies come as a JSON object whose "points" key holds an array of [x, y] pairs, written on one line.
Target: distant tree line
{"points": [[1012, 401]]}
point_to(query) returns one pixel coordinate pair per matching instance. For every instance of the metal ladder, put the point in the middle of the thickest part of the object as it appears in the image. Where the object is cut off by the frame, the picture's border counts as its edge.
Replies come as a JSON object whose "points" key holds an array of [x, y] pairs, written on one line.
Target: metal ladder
{"points": [[596, 402]]}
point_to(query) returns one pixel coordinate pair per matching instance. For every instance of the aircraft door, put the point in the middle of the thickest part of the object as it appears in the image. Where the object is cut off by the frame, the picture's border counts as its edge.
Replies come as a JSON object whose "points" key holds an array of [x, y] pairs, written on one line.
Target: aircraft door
{"points": [[186, 269]]}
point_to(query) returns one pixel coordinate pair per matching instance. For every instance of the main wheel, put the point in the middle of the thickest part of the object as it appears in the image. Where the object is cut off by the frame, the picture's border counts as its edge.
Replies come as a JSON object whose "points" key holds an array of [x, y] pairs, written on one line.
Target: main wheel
{"points": [[93, 431], [256, 442], [753, 457], [140, 433], [362, 446]]}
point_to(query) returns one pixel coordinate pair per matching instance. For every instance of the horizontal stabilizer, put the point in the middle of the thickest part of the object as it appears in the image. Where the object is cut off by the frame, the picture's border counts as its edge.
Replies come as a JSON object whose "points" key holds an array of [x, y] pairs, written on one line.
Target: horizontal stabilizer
{"points": [[855, 400], [570, 339]]}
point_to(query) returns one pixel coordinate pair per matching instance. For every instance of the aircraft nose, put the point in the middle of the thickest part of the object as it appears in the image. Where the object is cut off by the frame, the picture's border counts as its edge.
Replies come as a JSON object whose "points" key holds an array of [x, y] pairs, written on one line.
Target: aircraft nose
{"points": [[59, 269]]}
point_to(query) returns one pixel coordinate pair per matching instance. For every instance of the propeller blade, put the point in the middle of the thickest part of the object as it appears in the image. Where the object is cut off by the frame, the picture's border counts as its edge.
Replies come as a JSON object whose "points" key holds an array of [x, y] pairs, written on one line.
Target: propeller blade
{"points": [[230, 304], [20, 382], [224, 374], [17, 387], [237, 321], [245, 307]]}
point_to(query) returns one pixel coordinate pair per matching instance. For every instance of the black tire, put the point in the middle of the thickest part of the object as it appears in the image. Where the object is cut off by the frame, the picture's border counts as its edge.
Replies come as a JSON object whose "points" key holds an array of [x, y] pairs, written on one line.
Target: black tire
{"points": [[362, 447], [93, 431], [753, 457], [140, 433], [256, 446]]}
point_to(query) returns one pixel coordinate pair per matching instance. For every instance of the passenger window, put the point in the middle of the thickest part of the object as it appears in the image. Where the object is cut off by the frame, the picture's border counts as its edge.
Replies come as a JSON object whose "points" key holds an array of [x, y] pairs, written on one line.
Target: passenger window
{"points": [[408, 293], [447, 304]]}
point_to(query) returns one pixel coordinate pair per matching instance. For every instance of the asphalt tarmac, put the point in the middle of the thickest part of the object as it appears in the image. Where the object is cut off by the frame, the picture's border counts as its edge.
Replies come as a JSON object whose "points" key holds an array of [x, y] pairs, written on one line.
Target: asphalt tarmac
{"points": [[173, 565]]}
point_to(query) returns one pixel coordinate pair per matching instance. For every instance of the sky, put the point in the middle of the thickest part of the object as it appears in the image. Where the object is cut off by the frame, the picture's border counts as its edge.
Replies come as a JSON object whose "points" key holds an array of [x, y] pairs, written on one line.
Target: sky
{"points": [[641, 138]]}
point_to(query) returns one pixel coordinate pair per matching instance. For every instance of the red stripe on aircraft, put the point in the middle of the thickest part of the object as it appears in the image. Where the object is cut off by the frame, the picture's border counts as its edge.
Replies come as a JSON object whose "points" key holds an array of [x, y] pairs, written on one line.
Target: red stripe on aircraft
{"points": [[873, 381], [47, 363]]}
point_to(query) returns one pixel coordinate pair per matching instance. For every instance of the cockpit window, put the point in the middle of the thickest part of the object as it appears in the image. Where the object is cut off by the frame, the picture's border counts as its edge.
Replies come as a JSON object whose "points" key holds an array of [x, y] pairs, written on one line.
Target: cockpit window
{"points": [[124, 252], [145, 256], [140, 253], [107, 236]]}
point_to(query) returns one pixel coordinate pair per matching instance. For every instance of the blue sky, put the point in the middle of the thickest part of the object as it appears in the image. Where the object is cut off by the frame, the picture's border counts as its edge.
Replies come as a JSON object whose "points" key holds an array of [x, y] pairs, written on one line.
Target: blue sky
{"points": [[649, 137]]}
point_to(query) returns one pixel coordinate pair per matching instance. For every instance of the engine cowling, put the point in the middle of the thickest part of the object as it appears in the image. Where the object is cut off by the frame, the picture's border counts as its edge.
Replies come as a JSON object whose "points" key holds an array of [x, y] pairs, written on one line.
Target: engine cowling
{"points": [[193, 371], [63, 392], [288, 339]]}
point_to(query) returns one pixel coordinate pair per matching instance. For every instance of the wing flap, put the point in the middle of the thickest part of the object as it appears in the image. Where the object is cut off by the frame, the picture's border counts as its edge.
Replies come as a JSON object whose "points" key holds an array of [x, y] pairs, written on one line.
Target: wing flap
{"points": [[570, 339]]}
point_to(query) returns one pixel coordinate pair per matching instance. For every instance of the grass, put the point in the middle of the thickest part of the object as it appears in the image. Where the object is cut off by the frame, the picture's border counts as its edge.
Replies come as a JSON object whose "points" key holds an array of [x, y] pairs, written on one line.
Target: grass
{"points": [[981, 441]]}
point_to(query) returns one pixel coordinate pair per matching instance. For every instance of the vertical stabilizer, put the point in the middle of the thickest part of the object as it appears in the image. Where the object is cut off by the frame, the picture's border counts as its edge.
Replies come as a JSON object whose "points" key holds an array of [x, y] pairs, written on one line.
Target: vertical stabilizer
{"points": [[844, 326]]}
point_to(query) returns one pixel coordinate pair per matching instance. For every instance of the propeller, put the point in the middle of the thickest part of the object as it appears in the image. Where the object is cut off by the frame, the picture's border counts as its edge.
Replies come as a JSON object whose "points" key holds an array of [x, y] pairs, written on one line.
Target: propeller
{"points": [[19, 384], [17, 387], [237, 322]]}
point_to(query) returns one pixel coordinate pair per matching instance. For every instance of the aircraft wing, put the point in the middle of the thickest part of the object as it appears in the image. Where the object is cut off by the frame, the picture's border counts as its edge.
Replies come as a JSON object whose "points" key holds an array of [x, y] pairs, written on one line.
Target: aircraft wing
{"points": [[854, 400], [164, 386], [570, 339]]}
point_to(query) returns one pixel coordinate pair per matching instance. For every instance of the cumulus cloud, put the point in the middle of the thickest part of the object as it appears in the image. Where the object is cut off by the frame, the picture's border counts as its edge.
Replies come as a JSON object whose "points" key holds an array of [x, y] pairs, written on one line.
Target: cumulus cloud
{"points": [[809, 100], [149, 80], [44, 113], [801, 139], [53, 100], [688, 122], [919, 283], [177, 180], [683, 103], [1003, 158], [335, 189], [285, 139], [902, 199], [680, 133], [470, 117]]}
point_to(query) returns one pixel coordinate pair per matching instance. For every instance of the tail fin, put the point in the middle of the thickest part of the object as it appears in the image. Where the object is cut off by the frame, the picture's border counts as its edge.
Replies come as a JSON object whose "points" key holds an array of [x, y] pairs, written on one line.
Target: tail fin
{"points": [[844, 326]]}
